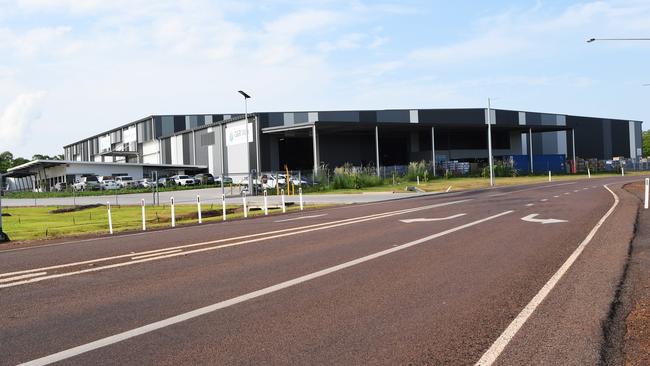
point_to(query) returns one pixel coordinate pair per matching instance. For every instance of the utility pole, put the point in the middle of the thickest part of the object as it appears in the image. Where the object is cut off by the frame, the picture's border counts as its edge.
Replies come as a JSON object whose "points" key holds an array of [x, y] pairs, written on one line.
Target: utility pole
{"points": [[489, 121], [3, 236]]}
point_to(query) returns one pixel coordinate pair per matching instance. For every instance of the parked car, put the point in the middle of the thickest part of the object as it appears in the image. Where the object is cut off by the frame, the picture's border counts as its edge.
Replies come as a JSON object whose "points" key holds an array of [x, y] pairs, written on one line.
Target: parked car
{"points": [[293, 180], [146, 183], [183, 180], [61, 186], [165, 182], [226, 180], [244, 184], [126, 181], [206, 178], [108, 185], [86, 183], [270, 181]]}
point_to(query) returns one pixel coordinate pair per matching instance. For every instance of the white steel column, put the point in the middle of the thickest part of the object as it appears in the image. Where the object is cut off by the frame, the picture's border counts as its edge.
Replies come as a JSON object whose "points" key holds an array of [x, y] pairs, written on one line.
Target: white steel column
{"points": [[257, 144], [377, 149], [574, 168], [530, 142], [491, 163], [433, 150], [315, 147]]}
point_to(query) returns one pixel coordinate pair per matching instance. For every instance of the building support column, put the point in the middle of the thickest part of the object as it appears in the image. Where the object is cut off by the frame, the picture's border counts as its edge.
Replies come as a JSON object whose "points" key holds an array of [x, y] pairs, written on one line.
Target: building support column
{"points": [[433, 150], [530, 143], [377, 149], [574, 167], [314, 136], [257, 144]]}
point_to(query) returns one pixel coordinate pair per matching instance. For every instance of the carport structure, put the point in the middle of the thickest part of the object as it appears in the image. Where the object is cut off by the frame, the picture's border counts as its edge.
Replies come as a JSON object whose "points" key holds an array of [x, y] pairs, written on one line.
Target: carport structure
{"points": [[305, 140]]}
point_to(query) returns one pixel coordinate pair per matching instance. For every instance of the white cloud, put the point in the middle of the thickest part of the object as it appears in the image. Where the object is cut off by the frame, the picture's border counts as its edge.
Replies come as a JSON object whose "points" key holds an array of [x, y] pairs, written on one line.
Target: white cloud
{"points": [[18, 116]]}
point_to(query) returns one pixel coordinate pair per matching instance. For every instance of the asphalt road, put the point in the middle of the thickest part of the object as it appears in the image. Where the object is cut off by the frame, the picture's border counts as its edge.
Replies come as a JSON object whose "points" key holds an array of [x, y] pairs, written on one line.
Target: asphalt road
{"points": [[508, 276]]}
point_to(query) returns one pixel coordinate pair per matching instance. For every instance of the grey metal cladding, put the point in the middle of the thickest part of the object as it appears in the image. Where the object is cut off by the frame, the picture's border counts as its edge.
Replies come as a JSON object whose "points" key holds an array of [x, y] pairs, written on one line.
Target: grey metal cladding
{"points": [[549, 119], [607, 137], [339, 116], [451, 117], [620, 138], [179, 123], [300, 117], [288, 119], [507, 118], [399, 116], [187, 148], [533, 119], [166, 150], [638, 135], [275, 119], [368, 116]]}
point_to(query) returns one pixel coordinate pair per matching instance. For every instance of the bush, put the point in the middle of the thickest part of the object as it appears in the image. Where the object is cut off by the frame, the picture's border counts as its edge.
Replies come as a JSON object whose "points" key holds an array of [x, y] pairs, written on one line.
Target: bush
{"points": [[500, 170], [350, 177], [416, 169]]}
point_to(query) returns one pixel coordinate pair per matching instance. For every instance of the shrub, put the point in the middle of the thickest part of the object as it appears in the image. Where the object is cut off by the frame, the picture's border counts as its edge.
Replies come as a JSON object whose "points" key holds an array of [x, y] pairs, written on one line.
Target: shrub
{"points": [[416, 169]]}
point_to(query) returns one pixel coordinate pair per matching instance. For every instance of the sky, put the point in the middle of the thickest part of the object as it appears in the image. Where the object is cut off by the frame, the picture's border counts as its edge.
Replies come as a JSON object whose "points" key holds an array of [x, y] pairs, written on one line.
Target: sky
{"points": [[70, 69]]}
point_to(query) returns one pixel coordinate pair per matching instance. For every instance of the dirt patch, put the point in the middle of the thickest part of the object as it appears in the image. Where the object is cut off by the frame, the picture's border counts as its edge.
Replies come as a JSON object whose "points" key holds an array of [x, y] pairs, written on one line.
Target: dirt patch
{"points": [[6, 214], [75, 208]]}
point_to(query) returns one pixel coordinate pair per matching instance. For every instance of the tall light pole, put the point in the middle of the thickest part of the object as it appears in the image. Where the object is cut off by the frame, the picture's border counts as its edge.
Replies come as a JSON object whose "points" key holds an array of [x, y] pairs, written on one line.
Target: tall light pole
{"points": [[3, 237], [489, 121], [248, 154]]}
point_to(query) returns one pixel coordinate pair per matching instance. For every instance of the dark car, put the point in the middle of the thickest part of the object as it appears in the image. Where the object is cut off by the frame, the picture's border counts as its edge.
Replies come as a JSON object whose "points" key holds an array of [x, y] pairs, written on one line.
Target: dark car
{"points": [[226, 180], [205, 178]]}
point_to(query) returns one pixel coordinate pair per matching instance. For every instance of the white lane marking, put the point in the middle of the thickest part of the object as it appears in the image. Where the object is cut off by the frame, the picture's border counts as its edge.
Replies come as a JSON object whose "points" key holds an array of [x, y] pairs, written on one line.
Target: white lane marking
{"points": [[100, 343], [311, 228], [408, 221], [530, 204], [556, 196], [378, 216], [156, 254], [531, 218], [532, 188], [576, 191], [448, 189], [543, 200], [594, 186], [9, 279], [500, 344], [585, 188], [300, 218], [567, 193]]}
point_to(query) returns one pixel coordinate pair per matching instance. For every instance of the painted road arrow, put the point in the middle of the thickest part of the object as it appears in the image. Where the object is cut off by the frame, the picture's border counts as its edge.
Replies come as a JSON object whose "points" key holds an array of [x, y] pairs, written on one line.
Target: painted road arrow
{"points": [[408, 221], [531, 218]]}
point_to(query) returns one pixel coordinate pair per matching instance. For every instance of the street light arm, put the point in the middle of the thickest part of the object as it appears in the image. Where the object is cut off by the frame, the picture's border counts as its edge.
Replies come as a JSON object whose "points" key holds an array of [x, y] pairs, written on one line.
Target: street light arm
{"points": [[590, 40]]}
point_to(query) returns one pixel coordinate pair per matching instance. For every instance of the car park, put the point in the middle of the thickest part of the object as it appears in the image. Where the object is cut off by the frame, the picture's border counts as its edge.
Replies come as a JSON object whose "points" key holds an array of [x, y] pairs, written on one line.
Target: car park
{"points": [[146, 183], [126, 181], [61, 186], [226, 180], [182, 180], [165, 182], [86, 183], [108, 185]]}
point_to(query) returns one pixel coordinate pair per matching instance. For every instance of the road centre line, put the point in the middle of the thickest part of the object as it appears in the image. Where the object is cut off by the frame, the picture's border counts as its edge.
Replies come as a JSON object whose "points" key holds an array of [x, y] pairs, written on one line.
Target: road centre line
{"points": [[107, 341], [300, 218], [543, 200], [284, 233], [9, 279], [509, 333], [529, 189], [156, 254]]}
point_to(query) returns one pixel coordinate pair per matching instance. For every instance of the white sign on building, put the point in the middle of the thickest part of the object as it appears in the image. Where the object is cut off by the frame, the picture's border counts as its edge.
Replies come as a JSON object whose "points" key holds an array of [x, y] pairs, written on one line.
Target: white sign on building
{"points": [[236, 134]]}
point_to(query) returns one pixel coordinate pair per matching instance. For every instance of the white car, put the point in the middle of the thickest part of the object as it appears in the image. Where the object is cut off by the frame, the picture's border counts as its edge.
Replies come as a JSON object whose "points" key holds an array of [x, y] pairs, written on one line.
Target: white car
{"points": [[109, 185], [183, 180], [125, 181]]}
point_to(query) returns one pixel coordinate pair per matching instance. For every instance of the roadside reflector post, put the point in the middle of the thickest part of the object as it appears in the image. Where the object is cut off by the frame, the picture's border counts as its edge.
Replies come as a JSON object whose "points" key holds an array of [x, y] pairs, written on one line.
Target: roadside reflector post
{"points": [[301, 203], [223, 206], [173, 213], [284, 207], [144, 222], [110, 219], [418, 179], [266, 204], [198, 208], [245, 207], [647, 190], [588, 173], [622, 171], [549, 176]]}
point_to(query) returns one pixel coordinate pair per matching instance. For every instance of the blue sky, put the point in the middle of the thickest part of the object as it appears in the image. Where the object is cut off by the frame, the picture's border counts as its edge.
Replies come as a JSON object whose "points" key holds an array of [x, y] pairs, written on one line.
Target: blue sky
{"points": [[70, 68]]}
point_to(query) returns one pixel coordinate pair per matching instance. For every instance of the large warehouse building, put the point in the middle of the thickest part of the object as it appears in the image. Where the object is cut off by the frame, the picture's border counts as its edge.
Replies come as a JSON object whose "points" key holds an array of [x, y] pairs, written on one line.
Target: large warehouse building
{"points": [[306, 140]]}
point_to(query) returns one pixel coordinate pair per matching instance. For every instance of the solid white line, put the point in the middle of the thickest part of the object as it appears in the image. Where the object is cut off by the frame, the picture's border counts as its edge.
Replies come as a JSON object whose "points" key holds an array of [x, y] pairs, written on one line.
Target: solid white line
{"points": [[544, 200], [576, 191], [530, 204], [567, 193], [156, 254], [311, 228], [300, 218], [9, 279], [239, 299], [408, 221], [500, 344], [556, 196]]}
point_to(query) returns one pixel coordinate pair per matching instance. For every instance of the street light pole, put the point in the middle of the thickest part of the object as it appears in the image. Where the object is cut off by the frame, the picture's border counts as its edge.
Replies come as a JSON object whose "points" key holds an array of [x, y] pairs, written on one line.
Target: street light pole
{"points": [[590, 40], [3, 237], [489, 121], [248, 154]]}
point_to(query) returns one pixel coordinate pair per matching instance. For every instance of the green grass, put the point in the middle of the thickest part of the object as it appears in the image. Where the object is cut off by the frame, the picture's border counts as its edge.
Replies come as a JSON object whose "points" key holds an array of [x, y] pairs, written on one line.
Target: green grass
{"points": [[33, 195], [30, 223]]}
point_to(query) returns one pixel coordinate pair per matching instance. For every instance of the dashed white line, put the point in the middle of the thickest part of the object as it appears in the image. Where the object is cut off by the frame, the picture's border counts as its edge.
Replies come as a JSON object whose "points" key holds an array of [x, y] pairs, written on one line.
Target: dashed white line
{"points": [[155, 254], [556, 196], [22, 277], [530, 204], [567, 193], [543, 200], [575, 191], [300, 218], [100, 343], [500, 344]]}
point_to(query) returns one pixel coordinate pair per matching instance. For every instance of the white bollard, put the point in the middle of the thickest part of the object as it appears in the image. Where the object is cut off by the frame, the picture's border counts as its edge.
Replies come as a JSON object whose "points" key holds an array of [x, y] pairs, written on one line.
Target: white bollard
{"points": [[418, 178], [198, 208], [266, 204], [588, 173], [300, 193], [647, 190], [549, 176], [284, 207], [144, 222], [245, 207], [110, 219], [622, 171], [223, 206], [173, 213]]}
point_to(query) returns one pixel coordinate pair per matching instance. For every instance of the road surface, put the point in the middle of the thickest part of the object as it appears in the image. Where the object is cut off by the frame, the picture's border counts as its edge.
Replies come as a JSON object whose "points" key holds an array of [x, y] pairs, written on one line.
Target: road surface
{"points": [[508, 276]]}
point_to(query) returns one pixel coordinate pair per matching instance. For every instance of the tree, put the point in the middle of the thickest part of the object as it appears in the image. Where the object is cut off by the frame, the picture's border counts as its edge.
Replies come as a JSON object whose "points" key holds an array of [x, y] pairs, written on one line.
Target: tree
{"points": [[646, 143], [6, 160]]}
